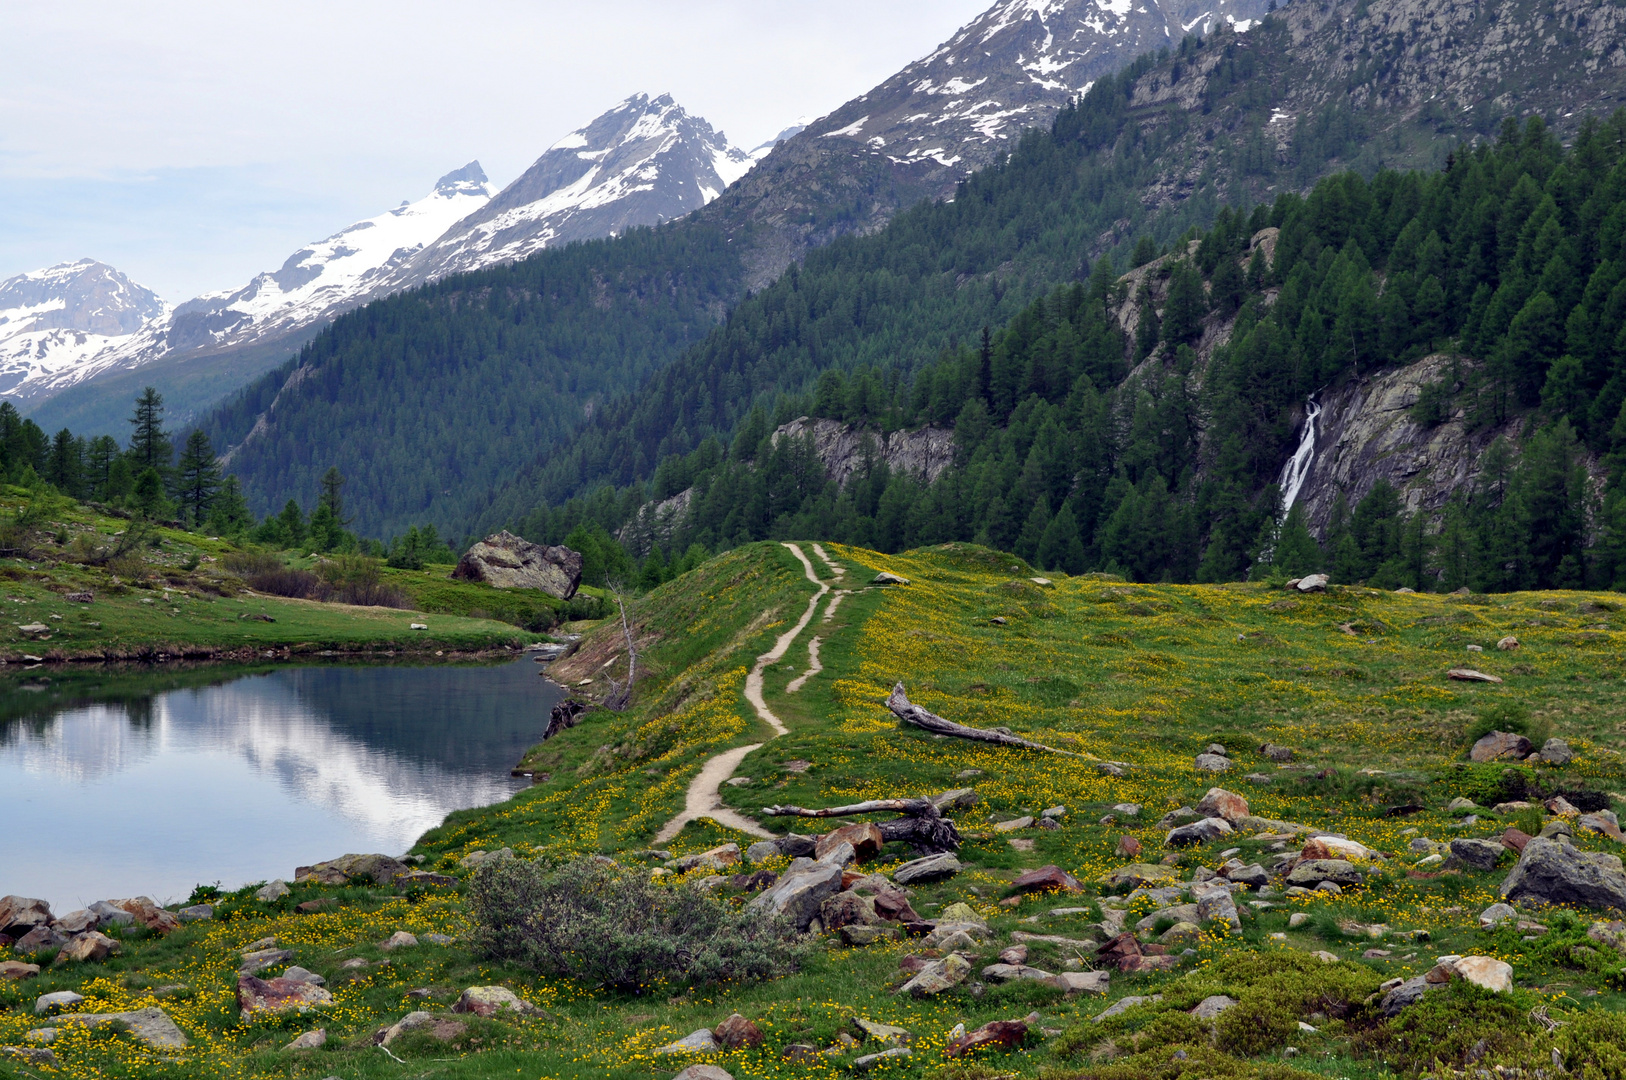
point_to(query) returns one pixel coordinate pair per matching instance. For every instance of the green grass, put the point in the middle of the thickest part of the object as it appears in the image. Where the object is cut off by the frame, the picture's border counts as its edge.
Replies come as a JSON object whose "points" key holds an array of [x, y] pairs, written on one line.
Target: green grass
{"points": [[1145, 675]]}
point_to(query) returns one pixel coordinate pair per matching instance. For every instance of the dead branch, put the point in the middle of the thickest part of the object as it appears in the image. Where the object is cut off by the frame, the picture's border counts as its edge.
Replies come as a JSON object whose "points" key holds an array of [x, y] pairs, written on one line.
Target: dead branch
{"points": [[911, 713], [925, 827], [619, 698]]}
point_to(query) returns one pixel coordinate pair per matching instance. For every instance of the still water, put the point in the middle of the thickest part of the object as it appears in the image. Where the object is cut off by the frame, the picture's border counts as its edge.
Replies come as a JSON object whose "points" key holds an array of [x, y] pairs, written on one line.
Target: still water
{"points": [[133, 782]]}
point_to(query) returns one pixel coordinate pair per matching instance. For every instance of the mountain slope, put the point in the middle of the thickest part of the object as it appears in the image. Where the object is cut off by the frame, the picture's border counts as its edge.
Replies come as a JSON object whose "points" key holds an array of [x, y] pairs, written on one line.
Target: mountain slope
{"points": [[641, 163], [55, 320]]}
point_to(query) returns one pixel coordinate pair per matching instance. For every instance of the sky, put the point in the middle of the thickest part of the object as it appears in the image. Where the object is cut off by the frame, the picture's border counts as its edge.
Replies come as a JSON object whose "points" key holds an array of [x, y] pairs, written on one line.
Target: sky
{"points": [[193, 145]]}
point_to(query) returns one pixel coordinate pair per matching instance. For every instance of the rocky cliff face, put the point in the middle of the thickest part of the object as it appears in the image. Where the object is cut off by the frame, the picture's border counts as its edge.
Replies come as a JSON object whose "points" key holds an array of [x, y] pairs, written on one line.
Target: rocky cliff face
{"points": [[924, 453], [1366, 433]]}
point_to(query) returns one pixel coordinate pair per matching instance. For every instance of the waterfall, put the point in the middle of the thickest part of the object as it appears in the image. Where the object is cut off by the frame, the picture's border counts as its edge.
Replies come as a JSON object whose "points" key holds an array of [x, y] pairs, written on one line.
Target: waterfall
{"points": [[1297, 468]]}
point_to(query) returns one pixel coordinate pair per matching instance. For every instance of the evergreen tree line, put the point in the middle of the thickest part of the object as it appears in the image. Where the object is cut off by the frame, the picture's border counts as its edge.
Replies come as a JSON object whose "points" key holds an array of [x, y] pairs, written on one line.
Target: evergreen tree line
{"points": [[1510, 259]]}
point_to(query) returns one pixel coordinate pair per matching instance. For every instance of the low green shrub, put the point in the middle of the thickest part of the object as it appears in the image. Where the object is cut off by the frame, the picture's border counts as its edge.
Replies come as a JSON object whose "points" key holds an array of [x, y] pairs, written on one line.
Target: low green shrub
{"points": [[608, 926]]}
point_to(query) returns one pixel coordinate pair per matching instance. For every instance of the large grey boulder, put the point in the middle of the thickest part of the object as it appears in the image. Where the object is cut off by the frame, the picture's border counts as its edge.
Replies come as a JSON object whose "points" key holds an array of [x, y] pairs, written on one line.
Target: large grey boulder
{"points": [[1500, 744], [1199, 832], [1312, 872], [931, 868], [20, 914], [1477, 854], [1551, 871], [151, 1026], [1407, 993], [800, 892], [506, 561]]}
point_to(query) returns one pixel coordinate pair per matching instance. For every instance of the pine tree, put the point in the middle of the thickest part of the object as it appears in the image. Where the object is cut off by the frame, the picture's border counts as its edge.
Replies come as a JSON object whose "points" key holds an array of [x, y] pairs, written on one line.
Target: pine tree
{"points": [[150, 445], [332, 496], [149, 498], [198, 477], [1185, 306], [229, 514], [291, 524], [1060, 547], [99, 458], [1297, 553]]}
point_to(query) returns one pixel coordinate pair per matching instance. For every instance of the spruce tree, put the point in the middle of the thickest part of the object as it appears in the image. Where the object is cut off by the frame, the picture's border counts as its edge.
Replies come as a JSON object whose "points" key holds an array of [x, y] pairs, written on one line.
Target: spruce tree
{"points": [[229, 514], [198, 477], [150, 445]]}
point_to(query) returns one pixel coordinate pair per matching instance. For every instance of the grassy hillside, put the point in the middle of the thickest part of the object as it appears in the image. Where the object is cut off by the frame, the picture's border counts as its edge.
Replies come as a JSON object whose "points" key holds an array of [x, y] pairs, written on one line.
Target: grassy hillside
{"points": [[1352, 680]]}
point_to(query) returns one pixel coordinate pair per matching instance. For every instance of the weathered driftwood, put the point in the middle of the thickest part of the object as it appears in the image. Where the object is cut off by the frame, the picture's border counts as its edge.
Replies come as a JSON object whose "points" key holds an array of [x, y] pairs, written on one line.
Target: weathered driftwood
{"points": [[911, 713], [924, 826], [564, 715]]}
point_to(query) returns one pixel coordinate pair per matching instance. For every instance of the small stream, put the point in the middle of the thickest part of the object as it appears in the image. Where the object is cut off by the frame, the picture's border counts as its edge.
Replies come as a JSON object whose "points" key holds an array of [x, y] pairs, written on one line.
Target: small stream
{"points": [[125, 782]]}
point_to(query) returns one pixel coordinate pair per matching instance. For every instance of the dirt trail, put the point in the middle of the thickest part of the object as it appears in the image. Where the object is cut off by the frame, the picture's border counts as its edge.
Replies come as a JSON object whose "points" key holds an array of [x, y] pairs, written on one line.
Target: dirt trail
{"points": [[702, 799]]}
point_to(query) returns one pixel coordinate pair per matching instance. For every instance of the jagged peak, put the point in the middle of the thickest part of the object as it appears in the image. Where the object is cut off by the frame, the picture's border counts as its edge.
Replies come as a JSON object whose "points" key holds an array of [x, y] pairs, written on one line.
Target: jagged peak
{"points": [[470, 177]]}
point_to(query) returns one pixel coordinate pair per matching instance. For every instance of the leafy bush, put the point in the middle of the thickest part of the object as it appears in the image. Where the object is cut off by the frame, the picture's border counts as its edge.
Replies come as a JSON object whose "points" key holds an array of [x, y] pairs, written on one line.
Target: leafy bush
{"points": [[606, 925], [346, 579], [1509, 716]]}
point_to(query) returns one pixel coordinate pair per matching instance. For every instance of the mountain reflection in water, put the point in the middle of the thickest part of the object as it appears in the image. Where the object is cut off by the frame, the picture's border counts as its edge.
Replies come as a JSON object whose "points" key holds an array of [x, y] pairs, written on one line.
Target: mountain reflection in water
{"points": [[119, 783]]}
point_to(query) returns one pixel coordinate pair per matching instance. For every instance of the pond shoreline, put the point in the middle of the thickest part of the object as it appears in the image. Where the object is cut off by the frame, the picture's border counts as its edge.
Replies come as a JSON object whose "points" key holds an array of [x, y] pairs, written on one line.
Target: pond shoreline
{"points": [[248, 654]]}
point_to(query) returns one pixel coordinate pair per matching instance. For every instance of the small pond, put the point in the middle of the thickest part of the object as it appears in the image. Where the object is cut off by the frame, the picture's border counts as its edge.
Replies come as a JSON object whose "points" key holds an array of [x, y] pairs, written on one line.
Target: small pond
{"points": [[147, 781]]}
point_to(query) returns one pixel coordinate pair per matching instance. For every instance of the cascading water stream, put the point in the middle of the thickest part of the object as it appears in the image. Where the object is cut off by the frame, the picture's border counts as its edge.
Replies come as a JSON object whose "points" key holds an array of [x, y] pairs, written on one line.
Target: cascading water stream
{"points": [[1297, 469]]}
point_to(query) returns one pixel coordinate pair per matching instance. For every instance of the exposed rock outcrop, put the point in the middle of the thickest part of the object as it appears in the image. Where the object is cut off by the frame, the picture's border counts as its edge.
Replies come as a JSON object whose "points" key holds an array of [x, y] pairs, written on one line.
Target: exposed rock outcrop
{"points": [[843, 449], [506, 561]]}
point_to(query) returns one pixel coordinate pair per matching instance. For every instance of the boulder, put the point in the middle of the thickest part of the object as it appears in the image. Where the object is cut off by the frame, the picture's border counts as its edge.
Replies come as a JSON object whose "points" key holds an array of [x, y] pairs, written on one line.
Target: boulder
{"points": [[1218, 906], [1499, 745], [1252, 876], [1311, 872], [1551, 871], [931, 868], [196, 913], [855, 935], [1048, 877], [1312, 583], [1406, 994], [737, 1032], [1212, 1006], [1014, 825], [1470, 675], [255, 995], [311, 1040], [299, 974], [275, 891], [696, 1042], [472, 861], [1475, 854], [1004, 973], [840, 855], [704, 1072], [1199, 832], [1124, 1004], [46, 1004], [761, 851], [848, 909], [799, 893], [1223, 804], [718, 858], [16, 969], [1212, 763], [33, 1055], [1496, 915], [149, 914], [888, 578], [1334, 847], [1508, 643], [506, 561], [1515, 839], [1609, 934], [439, 1028], [1142, 875], [491, 1000], [1004, 1034], [882, 1034], [89, 947], [398, 940], [1603, 824], [76, 922], [1176, 913], [1486, 972], [20, 914], [938, 976], [381, 869], [1128, 847], [1081, 982], [865, 838], [1276, 753], [1556, 752], [151, 1026], [259, 959], [870, 1061], [39, 939], [1180, 935]]}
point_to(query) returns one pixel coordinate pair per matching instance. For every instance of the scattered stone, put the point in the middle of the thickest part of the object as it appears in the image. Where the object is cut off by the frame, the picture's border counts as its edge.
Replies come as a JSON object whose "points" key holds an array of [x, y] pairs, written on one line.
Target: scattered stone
{"points": [[888, 578], [1499, 745], [278, 995], [761, 851], [473, 860], [1515, 839], [151, 1026], [1556, 751], [275, 891], [1476, 854], [1551, 871], [381, 869], [1470, 675], [77, 922], [1048, 877], [311, 1040], [1212, 1006], [34, 1055], [398, 940], [1005, 1034], [1111, 768], [869, 1061], [1212, 763], [1014, 824], [848, 909], [717, 858], [196, 913], [1004, 973], [89, 947], [308, 907], [1297, 919], [1180, 935], [41, 1035], [300, 975], [1198, 832], [882, 1034], [737, 1032], [1495, 916], [931, 868], [938, 976], [46, 1004], [1219, 907], [1280, 754], [799, 893], [1223, 804], [1128, 847], [490, 1000], [1486, 972], [797, 1053], [1312, 583], [1460, 804], [1508, 643], [1312, 872], [257, 961], [1142, 875], [856, 935], [1562, 807], [15, 969], [1334, 847], [706, 1072], [1252, 877], [39, 939]]}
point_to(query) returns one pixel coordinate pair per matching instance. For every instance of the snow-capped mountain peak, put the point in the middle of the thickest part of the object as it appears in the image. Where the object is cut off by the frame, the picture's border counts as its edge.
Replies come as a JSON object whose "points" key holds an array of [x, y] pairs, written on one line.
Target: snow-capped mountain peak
{"points": [[642, 162], [55, 319]]}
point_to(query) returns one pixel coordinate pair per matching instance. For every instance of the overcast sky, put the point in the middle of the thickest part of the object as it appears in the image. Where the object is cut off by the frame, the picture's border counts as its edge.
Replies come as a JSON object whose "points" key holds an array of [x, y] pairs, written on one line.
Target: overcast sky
{"points": [[193, 145]]}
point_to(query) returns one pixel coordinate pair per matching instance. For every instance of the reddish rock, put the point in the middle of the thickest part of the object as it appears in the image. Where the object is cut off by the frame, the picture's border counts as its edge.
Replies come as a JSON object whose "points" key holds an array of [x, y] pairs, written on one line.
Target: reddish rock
{"points": [[737, 1032], [1225, 804], [865, 838], [849, 878], [1128, 847], [1004, 1034], [1016, 954], [89, 948], [1500, 744], [892, 905], [316, 905], [15, 969], [848, 909], [278, 995], [149, 914], [490, 1000], [1048, 877], [915, 962], [1515, 839], [1133, 964], [1122, 952], [20, 914]]}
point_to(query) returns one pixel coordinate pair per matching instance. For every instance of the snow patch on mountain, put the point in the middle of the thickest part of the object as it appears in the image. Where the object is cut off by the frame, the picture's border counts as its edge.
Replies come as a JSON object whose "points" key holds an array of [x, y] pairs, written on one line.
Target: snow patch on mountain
{"points": [[56, 319]]}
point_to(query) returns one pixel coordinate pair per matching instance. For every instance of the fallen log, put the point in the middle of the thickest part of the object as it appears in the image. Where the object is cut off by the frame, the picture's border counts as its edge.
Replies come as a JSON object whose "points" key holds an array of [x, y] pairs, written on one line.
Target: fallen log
{"points": [[924, 825], [911, 713], [564, 716]]}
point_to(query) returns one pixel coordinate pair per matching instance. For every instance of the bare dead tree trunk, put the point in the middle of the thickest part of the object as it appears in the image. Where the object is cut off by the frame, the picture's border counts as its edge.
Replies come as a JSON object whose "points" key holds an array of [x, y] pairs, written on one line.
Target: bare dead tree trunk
{"points": [[620, 697], [925, 827], [911, 713]]}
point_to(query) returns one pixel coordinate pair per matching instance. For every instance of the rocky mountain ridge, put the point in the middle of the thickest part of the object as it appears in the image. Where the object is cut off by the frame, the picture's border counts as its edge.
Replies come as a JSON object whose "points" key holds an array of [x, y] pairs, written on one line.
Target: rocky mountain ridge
{"points": [[57, 319]]}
